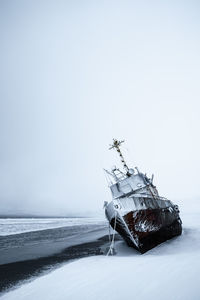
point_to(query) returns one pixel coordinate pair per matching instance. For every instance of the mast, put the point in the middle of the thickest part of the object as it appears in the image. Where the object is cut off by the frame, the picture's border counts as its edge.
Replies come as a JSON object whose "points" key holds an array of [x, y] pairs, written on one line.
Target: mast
{"points": [[116, 145]]}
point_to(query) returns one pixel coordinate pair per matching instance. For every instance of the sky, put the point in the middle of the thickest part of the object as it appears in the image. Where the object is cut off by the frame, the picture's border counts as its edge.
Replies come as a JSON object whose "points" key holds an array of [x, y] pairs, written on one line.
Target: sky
{"points": [[76, 74]]}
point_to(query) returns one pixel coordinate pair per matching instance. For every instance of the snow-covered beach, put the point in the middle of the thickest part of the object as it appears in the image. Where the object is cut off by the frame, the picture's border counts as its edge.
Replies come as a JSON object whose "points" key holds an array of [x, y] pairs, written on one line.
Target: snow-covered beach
{"points": [[26, 255], [169, 271]]}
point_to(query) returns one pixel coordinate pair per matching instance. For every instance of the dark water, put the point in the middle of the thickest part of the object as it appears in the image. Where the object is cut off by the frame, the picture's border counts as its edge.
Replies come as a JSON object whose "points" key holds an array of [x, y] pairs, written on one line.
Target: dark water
{"points": [[24, 256]]}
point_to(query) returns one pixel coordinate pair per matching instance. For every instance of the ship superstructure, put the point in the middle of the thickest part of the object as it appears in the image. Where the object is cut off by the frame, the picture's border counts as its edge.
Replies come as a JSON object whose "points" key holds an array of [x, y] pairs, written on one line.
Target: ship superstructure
{"points": [[137, 212]]}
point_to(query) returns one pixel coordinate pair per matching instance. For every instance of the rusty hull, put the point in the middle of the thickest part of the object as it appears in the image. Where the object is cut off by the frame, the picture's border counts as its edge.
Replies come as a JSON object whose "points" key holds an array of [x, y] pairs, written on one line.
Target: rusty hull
{"points": [[150, 227]]}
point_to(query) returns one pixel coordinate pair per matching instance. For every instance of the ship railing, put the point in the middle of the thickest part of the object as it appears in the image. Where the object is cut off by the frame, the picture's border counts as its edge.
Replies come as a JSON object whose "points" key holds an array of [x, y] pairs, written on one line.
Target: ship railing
{"points": [[147, 196]]}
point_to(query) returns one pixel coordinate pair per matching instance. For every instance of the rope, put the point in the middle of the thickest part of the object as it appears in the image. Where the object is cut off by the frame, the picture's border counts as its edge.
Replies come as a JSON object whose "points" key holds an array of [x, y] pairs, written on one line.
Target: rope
{"points": [[109, 232], [111, 249]]}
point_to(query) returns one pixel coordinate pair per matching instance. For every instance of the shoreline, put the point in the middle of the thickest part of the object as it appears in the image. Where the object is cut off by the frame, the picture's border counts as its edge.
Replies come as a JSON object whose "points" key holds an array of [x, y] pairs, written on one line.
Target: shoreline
{"points": [[14, 273]]}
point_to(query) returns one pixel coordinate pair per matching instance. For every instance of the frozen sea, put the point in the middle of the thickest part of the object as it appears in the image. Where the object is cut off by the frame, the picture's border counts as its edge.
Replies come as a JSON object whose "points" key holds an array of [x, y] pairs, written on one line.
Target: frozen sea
{"points": [[10, 226], [30, 247], [169, 271]]}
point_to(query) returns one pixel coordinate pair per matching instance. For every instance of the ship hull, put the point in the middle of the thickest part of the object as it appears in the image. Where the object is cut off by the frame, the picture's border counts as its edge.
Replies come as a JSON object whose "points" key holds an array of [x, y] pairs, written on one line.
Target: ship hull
{"points": [[143, 229]]}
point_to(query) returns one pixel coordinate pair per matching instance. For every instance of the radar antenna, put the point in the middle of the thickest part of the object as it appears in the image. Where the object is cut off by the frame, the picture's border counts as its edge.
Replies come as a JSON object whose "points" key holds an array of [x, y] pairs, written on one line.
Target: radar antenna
{"points": [[116, 145]]}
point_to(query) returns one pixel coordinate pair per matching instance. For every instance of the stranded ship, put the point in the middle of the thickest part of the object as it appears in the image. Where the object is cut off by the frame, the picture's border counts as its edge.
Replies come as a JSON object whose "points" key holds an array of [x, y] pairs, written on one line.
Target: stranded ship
{"points": [[137, 212]]}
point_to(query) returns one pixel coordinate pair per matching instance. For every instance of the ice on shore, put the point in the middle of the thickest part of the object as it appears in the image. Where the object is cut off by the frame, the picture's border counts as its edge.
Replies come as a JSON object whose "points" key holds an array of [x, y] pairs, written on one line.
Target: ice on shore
{"points": [[169, 271]]}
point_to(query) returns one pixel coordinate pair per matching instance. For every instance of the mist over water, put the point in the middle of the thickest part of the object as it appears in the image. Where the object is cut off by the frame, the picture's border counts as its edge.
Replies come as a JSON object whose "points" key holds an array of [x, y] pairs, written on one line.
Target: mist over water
{"points": [[76, 74]]}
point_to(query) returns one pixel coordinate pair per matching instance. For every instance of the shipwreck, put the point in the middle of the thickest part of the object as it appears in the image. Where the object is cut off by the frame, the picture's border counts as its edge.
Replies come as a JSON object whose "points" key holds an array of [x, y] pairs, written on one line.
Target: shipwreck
{"points": [[137, 212]]}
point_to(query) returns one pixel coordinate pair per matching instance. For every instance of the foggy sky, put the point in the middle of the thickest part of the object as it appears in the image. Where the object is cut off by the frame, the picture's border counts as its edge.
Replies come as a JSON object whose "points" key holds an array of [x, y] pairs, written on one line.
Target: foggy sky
{"points": [[74, 75]]}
